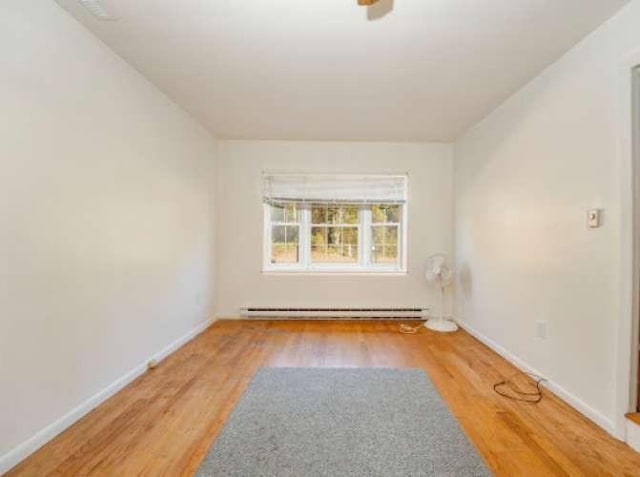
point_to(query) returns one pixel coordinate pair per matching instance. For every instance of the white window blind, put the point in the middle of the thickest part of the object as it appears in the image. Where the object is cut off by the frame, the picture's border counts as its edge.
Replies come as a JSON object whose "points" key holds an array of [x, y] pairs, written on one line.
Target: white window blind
{"points": [[344, 189]]}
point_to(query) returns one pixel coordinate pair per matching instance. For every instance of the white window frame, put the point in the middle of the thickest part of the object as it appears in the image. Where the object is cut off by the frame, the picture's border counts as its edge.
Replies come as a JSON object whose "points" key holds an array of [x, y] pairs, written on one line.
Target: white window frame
{"points": [[364, 264]]}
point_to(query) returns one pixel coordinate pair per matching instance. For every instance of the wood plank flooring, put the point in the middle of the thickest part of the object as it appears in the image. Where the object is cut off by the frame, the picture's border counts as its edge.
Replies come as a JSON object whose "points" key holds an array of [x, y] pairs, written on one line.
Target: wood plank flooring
{"points": [[164, 422]]}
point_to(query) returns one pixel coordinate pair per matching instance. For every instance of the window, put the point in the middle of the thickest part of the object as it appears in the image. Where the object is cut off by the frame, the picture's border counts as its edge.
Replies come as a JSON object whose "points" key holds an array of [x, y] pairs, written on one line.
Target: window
{"points": [[335, 223], [385, 230], [334, 233], [285, 231]]}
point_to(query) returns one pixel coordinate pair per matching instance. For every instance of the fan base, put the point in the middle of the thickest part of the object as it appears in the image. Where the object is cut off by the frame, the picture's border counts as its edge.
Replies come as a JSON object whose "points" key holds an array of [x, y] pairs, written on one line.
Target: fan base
{"points": [[440, 324]]}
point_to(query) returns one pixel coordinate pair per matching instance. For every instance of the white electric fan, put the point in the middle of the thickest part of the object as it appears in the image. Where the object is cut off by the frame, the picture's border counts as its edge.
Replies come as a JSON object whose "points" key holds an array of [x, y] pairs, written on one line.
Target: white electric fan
{"points": [[438, 273]]}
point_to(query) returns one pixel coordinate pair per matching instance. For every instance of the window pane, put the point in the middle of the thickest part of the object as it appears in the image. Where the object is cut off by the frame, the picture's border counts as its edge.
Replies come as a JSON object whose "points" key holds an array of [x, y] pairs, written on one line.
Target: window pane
{"points": [[334, 244], [334, 214], [343, 215], [381, 213], [284, 244], [384, 248], [291, 213], [287, 213], [318, 214]]}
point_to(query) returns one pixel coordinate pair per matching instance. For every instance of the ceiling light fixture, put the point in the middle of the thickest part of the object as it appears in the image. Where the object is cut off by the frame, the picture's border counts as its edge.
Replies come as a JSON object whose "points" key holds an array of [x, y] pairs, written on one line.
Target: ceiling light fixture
{"points": [[366, 3], [98, 10]]}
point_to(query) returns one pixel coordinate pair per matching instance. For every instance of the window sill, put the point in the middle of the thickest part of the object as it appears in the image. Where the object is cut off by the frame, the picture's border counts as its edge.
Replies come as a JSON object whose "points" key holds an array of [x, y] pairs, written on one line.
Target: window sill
{"points": [[351, 273]]}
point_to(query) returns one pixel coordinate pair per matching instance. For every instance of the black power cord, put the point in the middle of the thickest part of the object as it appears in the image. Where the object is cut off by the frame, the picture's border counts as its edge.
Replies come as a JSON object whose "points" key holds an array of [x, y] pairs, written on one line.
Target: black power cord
{"points": [[517, 394]]}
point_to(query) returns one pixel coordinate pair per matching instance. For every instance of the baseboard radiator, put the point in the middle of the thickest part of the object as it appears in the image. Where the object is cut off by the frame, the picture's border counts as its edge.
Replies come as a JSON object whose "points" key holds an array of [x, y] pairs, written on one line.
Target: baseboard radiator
{"points": [[282, 313]]}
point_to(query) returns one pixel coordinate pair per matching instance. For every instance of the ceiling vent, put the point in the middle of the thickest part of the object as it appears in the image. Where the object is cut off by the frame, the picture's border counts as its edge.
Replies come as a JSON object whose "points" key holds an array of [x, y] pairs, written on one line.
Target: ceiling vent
{"points": [[98, 10]]}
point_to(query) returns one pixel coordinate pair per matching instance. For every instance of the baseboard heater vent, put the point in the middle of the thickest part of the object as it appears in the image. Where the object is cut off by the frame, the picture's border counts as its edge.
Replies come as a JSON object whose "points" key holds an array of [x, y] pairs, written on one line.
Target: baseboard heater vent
{"points": [[335, 313]]}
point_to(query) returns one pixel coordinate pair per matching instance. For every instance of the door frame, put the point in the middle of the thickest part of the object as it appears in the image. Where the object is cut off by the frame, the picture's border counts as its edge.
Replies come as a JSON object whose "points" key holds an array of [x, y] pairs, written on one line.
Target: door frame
{"points": [[626, 377]]}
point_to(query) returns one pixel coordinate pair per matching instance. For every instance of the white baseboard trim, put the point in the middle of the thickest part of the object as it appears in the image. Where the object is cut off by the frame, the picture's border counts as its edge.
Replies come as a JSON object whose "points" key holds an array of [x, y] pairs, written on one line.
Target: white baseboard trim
{"points": [[22, 451], [575, 402]]}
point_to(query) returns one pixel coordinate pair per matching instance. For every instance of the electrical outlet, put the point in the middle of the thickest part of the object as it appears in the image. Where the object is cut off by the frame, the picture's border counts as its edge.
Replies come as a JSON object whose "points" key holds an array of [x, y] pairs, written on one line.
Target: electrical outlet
{"points": [[541, 329]]}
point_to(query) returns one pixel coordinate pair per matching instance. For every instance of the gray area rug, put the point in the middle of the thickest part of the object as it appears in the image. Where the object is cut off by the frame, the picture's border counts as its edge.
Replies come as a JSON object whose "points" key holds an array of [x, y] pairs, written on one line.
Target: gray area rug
{"points": [[339, 422]]}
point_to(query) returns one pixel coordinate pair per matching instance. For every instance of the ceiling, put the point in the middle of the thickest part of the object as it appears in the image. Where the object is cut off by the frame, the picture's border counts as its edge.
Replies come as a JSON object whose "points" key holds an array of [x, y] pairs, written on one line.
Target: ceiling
{"points": [[410, 70]]}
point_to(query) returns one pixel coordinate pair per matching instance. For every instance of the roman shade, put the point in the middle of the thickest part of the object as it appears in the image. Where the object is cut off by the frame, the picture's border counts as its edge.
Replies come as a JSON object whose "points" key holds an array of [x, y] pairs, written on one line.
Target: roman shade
{"points": [[344, 189]]}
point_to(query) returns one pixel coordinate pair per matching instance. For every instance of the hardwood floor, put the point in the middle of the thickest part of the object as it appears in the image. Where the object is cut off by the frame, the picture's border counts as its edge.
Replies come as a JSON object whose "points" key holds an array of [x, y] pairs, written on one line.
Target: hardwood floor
{"points": [[164, 422]]}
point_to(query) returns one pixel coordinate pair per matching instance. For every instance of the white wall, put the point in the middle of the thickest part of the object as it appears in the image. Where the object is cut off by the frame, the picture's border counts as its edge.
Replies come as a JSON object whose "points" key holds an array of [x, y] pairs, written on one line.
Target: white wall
{"points": [[240, 226], [524, 178], [106, 220]]}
